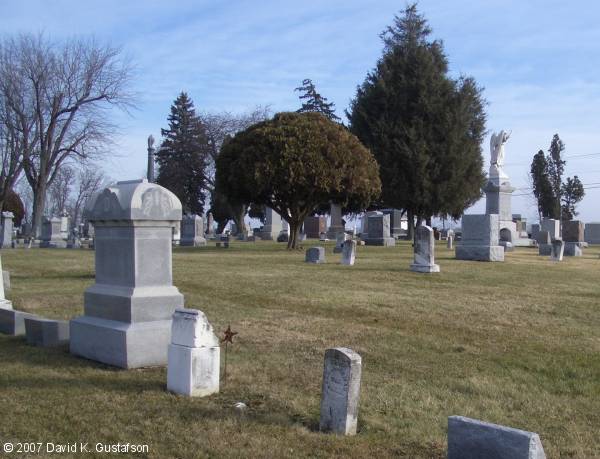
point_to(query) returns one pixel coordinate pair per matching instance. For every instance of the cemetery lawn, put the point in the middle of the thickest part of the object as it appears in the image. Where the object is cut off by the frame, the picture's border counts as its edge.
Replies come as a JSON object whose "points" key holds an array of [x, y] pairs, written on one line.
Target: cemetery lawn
{"points": [[515, 343]]}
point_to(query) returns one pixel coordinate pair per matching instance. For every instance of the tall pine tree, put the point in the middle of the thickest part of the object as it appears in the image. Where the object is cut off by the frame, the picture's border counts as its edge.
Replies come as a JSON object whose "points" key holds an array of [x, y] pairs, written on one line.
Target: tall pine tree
{"points": [[542, 188], [183, 156], [424, 128], [315, 102]]}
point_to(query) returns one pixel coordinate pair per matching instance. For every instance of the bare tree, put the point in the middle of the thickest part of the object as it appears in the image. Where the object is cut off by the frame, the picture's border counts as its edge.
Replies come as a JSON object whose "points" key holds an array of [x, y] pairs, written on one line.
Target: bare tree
{"points": [[89, 181], [220, 126], [66, 89], [59, 192]]}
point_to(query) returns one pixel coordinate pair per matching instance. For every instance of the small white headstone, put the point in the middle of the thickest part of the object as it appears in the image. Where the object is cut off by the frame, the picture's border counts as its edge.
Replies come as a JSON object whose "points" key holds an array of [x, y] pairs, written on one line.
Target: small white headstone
{"points": [[424, 251], [348, 252], [341, 389], [194, 355]]}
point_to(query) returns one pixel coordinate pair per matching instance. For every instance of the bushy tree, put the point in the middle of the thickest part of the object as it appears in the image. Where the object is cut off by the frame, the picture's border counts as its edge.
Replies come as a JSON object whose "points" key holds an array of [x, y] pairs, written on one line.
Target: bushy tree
{"points": [[293, 163], [312, 101], [572, 192], [183, 156], [424, 128]]}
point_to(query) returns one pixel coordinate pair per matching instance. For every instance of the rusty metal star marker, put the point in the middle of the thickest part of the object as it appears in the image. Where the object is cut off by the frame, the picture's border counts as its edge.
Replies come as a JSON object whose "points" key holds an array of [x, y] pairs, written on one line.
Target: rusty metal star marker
{"points": [[227, 338]]}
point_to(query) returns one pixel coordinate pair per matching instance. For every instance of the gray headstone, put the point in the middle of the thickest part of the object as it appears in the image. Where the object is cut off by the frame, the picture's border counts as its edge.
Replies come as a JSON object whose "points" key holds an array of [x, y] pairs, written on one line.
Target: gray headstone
{"points": [[348, 252], [424, 251], [315, 255], [573, 231], [192, 231], [13, 322], [6, 233], [479, 241], [340, 238], [552, 226], [128, 311], [52, 236], [473, 439], [543, 237], [379, 231], [592, 233], [558, 248], [572, 249], [449, 242], [535, 231], [194, 355], [273, 225], [45, 332], [341, 390], [335, 224]]}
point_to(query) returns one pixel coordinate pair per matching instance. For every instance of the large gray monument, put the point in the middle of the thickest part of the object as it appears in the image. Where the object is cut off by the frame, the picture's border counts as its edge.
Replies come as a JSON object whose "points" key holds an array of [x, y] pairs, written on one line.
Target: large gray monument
{"points": [[335, 225], [51, 233], [379, 231], [272, 227], [128, 311], [480, 239]]}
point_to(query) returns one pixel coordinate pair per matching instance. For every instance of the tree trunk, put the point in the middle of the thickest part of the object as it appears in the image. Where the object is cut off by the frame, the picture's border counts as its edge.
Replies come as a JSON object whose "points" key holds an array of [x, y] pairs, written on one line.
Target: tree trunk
{"points": [[39, 198], [238, 213], [294, 230], [411, 225]]}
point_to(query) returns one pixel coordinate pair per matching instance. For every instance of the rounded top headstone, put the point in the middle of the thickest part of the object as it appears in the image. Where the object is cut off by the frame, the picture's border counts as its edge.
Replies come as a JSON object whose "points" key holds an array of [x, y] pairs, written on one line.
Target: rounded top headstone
{"points": [[134, 200]]}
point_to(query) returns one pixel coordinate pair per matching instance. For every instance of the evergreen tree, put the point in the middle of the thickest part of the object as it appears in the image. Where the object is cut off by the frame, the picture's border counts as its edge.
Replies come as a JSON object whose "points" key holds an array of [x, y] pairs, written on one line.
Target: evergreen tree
{"points": [[424, 128], [572, 193], [556, 168], [182, 156], [314, 102], [542, 188]]}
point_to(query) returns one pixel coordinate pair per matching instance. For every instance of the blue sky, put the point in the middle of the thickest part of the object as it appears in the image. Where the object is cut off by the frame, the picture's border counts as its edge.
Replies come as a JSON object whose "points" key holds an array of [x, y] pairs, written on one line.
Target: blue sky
{"points": [[538, 61]]}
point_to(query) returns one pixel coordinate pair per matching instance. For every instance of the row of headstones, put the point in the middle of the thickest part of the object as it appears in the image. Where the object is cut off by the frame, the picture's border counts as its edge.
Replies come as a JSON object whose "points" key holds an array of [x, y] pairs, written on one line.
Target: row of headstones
{"points": [[193, 369], [424, 250]]}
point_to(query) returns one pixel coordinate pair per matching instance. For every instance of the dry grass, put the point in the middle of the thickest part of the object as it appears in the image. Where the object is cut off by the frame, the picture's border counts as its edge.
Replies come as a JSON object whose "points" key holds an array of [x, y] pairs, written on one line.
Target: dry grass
{"points": [[516, 343]]}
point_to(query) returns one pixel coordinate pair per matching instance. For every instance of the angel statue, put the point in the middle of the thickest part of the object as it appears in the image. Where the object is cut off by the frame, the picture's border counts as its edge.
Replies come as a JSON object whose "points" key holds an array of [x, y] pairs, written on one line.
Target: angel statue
{"points": [[497, 148]]}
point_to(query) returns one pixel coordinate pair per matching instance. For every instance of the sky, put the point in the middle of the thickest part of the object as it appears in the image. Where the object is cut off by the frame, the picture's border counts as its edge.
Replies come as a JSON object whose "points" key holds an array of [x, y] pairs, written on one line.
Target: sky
{"points": [[539, 62]]}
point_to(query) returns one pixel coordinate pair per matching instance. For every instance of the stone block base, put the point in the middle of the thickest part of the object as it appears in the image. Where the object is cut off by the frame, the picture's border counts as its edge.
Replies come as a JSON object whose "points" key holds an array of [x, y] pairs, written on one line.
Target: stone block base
{"points": [[522, 242], [572, 249], [193, 371], [53, 245], [384, 241], [545, 250], [425, 268], [508, 247], [45, 332], [197, 242], [12, 322], [121, 344], [480, 252]]}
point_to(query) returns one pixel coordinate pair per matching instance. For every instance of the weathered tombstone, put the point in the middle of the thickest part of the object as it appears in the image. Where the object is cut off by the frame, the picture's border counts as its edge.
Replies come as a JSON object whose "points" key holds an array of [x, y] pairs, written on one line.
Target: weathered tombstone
{"points": [[6, 234], [395, 222], [544, 243], [364, 231], [339, 241], [65, 221], [45, 332], [473, 439], [379, 231], [348, 252], [341, 390], [449, 241], [51, 234], [572, 249], [314, 226], [424, 251], [336, 225], [558, 248], [480, 239], [315, 255], [272, 227], [552, 226], [128, 311], [210, 225], [592, 233], [194, 355], [573, 231], [192, 231]]}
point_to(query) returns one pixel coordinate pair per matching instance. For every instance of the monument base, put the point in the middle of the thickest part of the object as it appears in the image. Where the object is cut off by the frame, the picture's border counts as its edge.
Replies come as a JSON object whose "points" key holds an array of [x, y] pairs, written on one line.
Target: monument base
{"points": [[121, 344], [545, 250], [572, 249], [480, 252], [53, 244], [383, 241], [13, 322], [332, 231], [196, 242], [425, 268]]}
